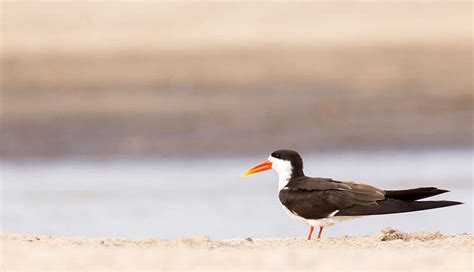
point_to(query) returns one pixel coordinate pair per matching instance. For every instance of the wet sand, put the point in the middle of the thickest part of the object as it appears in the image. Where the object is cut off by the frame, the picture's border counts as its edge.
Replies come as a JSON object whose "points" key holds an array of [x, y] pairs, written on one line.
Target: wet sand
{"points": [[388, 250]]}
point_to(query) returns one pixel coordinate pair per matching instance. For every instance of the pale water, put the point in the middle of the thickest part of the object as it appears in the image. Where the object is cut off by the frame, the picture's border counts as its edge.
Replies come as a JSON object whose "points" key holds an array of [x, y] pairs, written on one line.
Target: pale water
{"points": [[172, 198]]}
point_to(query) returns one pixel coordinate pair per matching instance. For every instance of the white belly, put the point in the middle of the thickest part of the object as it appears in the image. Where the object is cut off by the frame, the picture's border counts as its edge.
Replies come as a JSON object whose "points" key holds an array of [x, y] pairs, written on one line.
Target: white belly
{"points": [[294, 215], [327, 222], [323, 222]]}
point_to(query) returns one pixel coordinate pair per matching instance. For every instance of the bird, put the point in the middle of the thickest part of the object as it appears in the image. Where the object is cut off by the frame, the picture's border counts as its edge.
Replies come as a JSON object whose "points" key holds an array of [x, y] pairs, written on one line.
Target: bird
{"points": [[322, 202]]}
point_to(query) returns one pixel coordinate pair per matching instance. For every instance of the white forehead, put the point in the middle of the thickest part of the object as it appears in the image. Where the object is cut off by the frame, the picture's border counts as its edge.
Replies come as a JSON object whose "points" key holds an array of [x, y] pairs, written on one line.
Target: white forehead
{"points": [[280, 165], [273, 159]]}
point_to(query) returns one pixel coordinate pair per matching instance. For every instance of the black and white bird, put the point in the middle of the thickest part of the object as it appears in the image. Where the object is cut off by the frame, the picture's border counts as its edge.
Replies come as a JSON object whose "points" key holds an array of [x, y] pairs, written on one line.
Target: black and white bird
{"points": [[322, 202]]}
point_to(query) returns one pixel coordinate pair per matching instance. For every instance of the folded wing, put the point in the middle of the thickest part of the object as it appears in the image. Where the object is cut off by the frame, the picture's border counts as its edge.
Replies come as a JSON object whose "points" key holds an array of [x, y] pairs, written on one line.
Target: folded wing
{"points": [[315, 198]]}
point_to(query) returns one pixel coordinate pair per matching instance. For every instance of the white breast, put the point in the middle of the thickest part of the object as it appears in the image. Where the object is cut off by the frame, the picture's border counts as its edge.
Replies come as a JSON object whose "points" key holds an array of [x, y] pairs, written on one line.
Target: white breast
{"points": [[294, 215]]}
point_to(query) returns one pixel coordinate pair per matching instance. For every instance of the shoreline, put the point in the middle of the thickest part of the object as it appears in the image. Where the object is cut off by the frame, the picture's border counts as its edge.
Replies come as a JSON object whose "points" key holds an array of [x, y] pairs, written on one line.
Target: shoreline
{"points": [[389, 249]]}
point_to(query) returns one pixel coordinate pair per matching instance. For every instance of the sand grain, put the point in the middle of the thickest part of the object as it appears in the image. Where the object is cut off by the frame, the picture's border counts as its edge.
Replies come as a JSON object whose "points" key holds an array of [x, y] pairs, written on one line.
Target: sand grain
{"points": [[388, 250]]}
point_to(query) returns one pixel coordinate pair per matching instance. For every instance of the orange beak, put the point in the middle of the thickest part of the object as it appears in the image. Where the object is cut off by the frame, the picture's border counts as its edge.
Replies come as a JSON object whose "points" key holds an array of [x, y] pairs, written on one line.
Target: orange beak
{"points": [[263, 166]]}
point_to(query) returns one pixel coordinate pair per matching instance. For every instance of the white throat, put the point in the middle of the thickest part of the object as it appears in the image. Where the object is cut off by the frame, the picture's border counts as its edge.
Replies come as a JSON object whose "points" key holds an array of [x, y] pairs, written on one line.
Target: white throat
{"points": [[284, 170]]}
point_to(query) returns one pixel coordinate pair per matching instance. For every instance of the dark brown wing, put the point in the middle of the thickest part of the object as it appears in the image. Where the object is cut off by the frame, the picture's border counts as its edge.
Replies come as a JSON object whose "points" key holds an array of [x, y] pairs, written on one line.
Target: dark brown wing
{"points": [[319, 184], [315, 198]]}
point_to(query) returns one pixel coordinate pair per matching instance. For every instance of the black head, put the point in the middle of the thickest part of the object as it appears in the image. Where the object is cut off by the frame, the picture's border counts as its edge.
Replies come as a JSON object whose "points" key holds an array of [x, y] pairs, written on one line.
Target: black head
{"points": [[293, 157]]}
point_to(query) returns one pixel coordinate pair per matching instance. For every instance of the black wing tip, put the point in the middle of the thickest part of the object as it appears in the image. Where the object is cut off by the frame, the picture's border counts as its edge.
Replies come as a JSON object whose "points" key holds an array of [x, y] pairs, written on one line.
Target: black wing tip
{"points": [[435, 190], [444, 203], [453, 203], [440, 191]]}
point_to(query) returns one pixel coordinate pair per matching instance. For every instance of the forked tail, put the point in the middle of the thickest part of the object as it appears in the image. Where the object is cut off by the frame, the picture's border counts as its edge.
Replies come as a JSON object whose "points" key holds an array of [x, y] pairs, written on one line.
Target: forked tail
{"points": [[401, 201]]}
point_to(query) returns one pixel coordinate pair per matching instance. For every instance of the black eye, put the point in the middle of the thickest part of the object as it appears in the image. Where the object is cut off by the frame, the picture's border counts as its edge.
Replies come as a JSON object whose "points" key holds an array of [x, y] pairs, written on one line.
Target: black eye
{"points": [[276, 155]]}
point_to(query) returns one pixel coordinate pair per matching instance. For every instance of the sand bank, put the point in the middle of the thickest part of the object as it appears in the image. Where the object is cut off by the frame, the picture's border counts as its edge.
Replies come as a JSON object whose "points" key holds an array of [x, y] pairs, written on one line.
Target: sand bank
{"points": [[387, 250]]}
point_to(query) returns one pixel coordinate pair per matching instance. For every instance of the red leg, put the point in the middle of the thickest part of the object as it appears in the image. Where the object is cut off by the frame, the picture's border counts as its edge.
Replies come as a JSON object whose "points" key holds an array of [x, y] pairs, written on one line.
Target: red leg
{"points": [[310, 232], [320, 231]]}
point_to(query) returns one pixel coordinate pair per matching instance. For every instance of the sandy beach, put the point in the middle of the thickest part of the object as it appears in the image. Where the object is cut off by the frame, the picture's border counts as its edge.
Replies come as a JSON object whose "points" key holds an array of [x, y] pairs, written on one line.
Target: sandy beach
{"points": [[134, 120], [389, 250]]}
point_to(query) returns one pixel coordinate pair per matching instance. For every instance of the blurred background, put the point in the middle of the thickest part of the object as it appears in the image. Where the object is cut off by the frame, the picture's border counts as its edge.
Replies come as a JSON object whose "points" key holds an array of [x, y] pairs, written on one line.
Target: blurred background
{"points": [[136, 119]]}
